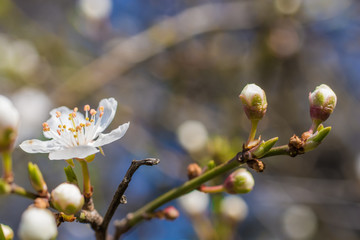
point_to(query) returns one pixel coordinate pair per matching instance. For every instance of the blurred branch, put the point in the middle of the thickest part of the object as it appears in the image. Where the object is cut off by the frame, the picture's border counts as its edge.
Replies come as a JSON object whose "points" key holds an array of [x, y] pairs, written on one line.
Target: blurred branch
{"points": [[153, 41]]}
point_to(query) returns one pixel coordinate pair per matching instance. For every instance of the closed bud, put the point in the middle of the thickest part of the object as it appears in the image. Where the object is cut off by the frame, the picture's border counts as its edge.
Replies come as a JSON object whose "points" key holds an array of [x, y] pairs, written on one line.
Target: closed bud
{"points": [[37, 224], [36, 179], [67, 198], [254, 101], [171, 213], [240, 181], [7, 232], [322, 103], [9, 121]]}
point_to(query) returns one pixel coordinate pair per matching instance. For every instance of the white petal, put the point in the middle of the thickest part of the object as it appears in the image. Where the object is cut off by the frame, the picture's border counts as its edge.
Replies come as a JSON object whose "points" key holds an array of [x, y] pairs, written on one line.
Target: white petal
{"points": [[54, 122], [74, 152], [110, 105], [37, 146], [112, 136]]}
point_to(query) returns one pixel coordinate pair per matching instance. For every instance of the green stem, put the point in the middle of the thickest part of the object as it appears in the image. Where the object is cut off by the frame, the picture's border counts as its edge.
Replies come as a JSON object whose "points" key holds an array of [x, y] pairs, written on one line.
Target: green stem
{"points": [[281, 150], [185, 188], [212, 189], [22, 192], [252, 134], [86, 178], [314, 126], [7, 167]]}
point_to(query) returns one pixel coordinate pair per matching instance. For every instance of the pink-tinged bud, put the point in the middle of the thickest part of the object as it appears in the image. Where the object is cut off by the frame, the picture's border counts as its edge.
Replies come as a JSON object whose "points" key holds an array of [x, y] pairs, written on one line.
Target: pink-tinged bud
{"points": [[240, 181], [171, 213], [67, 198], [322, 103], [254, 101], [37, 224], [7, 232]]}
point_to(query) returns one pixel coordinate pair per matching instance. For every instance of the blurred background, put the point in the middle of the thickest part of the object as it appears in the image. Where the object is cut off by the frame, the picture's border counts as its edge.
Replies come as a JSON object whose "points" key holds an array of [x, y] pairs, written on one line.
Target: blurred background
{"points": [[176, 68]]}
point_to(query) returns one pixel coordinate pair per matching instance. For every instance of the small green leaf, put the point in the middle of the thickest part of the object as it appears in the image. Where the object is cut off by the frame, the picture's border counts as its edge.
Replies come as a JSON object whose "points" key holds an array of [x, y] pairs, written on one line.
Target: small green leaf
{"points": [[314, 141], [264, 147], [70, 175]]}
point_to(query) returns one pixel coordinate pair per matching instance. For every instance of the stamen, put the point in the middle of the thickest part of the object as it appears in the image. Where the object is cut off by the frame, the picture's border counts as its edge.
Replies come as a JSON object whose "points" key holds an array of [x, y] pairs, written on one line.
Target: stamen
{"points": [[59, 126], [45, 127], [59, 132], [86, 108], [92, 112], [58, 114], [88, 124], [73, 114], [101, 114], [101, 108], [76, 109]]}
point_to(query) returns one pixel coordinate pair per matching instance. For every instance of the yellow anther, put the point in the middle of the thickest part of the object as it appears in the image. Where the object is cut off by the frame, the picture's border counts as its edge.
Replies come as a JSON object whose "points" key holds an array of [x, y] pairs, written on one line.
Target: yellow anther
{"points": [[101, 108], [86, 108], [75, 136], [64, 126], [76, 109], [92, 112], [58, 114], [82, 125], [92, 120], [87, 119], [45, 124], [73, 114], [69, 118], [59, 126], [88, 124]]}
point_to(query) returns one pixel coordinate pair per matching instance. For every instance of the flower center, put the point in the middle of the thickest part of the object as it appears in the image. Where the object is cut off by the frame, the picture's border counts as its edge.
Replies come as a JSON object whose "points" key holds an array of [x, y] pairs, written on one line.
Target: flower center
{"points": [[75, 130]]}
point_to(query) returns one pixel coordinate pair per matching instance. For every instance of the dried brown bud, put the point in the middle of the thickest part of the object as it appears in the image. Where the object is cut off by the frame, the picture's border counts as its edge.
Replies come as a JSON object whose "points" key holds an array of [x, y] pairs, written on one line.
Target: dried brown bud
{"points": [[193, 171], [256, 164]]}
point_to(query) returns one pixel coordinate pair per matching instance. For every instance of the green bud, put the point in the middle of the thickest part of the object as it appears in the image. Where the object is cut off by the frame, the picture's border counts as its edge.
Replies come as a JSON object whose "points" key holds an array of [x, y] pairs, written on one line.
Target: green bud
{"points": [[6, 232], [264, 147], [36, 178], [322, 103], [314, 140], [67, 198], [254, 101], [240, 181], [5, 188]]}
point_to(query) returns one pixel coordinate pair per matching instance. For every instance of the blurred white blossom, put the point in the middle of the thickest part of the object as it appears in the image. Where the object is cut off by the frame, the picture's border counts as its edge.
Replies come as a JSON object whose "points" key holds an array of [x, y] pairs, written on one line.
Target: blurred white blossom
{"points": [[192, 135], [234, 207], [96, 9], [37, 224], [195, 202], [299, 222], [33, 106]]}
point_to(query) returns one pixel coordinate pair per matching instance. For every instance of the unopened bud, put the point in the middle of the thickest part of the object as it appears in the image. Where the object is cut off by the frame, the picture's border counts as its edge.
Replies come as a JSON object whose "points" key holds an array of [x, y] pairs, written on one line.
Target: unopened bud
{"points": [[37, 224], [322, 102], [193, 170], [171, 213], [254, 101], [7, 232], [9, 121], [240, 181], [36, 179], [67, 198]]}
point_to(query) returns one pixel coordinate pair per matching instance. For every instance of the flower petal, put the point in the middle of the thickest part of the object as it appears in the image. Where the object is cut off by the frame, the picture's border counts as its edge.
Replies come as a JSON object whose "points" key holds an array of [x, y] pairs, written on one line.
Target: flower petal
{"points": [[37, 146], [74, 152], [114, 135], [53, 121], [110, 105]]}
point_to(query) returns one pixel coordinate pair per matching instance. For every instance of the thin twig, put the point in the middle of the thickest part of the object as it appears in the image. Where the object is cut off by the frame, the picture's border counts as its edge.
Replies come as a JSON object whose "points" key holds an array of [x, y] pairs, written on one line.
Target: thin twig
{"points": [[119, 197], [132, 219]]}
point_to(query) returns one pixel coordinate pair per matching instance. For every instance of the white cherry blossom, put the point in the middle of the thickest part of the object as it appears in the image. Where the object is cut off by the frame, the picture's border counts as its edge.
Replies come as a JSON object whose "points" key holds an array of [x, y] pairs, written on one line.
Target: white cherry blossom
{"points": [[74, 135]]}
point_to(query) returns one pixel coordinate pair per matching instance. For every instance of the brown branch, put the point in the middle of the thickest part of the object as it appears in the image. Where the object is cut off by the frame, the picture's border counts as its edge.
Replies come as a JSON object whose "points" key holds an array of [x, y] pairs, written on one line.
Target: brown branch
{"points": [[119, 197], [136, 49]]}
